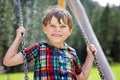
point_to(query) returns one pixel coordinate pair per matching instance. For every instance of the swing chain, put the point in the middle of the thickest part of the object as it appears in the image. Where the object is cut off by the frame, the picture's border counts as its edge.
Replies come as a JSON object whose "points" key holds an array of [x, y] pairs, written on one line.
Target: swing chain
{"points": [[23, 41], [88, 42], [20, 13], [25, 61], [98, 67]]}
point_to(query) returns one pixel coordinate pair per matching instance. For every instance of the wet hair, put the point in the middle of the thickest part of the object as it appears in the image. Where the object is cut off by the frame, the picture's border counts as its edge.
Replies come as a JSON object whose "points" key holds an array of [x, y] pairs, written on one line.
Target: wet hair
{"points": [[59, 13]]}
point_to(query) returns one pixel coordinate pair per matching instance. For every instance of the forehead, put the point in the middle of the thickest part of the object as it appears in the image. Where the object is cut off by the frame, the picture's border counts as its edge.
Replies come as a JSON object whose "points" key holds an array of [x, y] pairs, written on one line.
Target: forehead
{"points": [[58, 13], [54, 20]]}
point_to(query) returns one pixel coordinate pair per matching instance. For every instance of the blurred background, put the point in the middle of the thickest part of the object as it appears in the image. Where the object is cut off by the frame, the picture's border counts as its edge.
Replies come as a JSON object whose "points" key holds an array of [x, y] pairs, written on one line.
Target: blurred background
{"points": [[104, 18]]}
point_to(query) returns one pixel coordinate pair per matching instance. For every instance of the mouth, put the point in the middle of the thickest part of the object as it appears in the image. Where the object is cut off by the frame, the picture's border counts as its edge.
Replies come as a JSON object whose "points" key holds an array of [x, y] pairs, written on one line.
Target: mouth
{"points": [[57, 35]]}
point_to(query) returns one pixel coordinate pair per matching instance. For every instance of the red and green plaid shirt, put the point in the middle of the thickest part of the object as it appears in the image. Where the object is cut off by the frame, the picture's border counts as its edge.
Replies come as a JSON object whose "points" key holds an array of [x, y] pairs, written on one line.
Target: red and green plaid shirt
{"points": [[53, 63]]}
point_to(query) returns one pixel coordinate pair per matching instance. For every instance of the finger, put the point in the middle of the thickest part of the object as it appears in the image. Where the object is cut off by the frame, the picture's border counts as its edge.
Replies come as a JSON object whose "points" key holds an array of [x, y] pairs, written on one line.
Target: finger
{"points": [[22, 30], [92, 48]]}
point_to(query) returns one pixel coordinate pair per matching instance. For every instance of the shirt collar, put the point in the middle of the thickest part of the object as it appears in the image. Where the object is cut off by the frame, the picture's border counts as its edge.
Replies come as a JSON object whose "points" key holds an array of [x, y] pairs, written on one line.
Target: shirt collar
{"points": [[65, 46]]}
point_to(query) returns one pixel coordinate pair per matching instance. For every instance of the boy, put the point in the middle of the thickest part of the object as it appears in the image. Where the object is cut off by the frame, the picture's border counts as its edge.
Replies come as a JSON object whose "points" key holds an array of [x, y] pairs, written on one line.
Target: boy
{"points": [[54, 59]]}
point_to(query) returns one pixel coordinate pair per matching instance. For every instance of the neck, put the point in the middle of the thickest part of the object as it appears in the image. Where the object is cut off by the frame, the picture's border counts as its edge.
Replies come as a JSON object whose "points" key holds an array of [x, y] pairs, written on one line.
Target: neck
{"points": [[58, 45]]}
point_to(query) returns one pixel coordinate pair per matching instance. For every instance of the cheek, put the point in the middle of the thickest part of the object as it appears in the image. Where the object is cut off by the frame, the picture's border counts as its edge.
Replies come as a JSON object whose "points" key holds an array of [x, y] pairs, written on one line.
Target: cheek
{"points": [[47, 30], [66, 31]]}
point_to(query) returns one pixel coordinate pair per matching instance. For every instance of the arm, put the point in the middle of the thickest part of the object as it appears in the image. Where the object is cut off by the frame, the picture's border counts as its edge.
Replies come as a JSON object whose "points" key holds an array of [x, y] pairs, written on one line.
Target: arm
{"points": [[12, 57], [86, 68]]}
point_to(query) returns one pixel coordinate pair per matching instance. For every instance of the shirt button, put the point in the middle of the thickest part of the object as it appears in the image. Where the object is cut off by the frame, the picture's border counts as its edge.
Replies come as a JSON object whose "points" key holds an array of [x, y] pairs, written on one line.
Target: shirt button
{"points": [[61, 67], [55, 77], [62, 78], [60, 57]]}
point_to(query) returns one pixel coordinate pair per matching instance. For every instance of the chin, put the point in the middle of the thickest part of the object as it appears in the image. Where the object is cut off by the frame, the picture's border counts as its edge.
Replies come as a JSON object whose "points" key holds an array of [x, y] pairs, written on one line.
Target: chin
{"points": [[57, 41]]}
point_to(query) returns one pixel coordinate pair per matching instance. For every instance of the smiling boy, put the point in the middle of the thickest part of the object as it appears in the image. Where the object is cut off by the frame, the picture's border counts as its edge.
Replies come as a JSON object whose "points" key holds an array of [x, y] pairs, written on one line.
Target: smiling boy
{"points": [[54, 59]]}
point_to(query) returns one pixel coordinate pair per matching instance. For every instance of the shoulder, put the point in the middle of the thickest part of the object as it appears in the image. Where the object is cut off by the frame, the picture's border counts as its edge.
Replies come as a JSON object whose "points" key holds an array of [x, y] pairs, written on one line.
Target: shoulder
{"points": [[43, 43], [71, 50], [73, 54], [36, 45]]}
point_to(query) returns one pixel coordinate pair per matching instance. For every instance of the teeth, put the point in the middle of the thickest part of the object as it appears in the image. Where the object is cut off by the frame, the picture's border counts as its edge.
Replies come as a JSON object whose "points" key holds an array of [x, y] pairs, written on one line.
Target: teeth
{"points": [[56, 35]]}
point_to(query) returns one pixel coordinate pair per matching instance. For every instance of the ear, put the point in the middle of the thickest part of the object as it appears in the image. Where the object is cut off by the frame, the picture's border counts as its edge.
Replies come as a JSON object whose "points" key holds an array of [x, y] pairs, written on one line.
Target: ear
{"points": [[70, 31], [44, 29]]}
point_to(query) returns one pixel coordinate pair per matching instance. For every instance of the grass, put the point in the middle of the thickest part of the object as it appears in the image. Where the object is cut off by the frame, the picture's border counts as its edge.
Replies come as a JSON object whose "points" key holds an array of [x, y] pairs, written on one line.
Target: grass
{"points": [[94, 75], [15, 76]]}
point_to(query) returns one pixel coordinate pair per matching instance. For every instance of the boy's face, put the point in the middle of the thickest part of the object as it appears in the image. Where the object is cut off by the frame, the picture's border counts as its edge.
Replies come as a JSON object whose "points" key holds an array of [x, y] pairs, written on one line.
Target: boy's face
{"points": [[57, 32]]}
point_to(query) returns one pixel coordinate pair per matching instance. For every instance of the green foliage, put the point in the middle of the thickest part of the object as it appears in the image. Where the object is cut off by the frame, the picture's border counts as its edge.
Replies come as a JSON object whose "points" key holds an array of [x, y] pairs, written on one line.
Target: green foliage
{"points": [[5, 26], [108, 32], [105, 22]]}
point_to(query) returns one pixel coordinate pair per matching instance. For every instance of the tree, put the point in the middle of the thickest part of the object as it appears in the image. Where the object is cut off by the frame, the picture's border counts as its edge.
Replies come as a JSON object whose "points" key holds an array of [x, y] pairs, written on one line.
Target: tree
{"points": [[5, 26], [114, 33], [108, 32]]}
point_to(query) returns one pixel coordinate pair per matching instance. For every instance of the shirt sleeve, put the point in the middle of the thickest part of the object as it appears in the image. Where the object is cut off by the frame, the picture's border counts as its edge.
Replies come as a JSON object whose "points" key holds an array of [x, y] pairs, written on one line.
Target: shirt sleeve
{"points": [[78, 68], [31, 52]]}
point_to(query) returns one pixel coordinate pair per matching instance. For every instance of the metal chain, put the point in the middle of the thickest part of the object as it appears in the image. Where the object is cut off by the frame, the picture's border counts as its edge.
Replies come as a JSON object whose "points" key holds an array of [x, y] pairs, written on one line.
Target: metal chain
{"points": [[88, 42], [23, 40]]}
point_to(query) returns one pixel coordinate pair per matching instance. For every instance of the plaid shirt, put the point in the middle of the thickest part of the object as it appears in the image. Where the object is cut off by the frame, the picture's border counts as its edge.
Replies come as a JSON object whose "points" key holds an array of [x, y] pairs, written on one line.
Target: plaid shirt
{"points": [[53, 63]]}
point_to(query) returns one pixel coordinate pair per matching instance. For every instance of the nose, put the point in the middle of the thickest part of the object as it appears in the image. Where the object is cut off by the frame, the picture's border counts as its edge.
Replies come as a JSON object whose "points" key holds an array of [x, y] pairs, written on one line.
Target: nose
{"points": [[58, 28]]}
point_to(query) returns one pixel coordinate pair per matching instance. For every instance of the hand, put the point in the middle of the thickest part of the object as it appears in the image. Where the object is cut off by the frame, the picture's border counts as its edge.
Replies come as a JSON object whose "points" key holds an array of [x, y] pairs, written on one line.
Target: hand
{"points": [[20, 31], [91, 49]]}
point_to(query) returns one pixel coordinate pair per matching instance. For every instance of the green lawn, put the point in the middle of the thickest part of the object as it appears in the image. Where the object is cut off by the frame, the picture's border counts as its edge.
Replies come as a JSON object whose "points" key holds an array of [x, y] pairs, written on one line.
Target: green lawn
{"points": [[94, 75]]}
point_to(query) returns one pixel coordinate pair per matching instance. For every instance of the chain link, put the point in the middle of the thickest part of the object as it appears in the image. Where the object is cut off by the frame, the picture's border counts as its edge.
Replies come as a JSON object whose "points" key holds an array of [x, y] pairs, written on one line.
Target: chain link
{"points": [[23, 41], [88, 42], [25, 61]]}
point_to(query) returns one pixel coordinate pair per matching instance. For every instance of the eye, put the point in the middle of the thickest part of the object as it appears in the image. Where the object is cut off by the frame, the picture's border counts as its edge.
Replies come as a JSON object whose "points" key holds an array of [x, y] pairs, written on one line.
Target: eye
{"points": [[52, 26], [63, 26]]}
